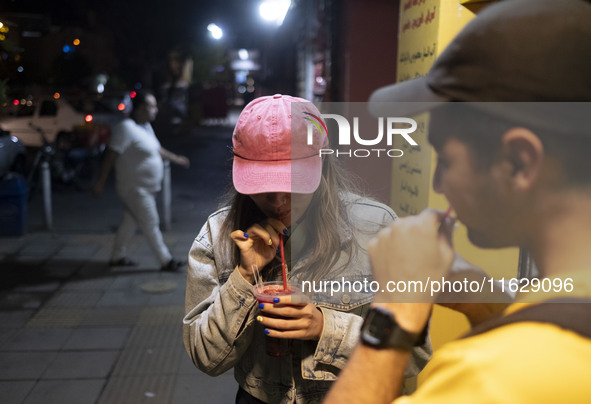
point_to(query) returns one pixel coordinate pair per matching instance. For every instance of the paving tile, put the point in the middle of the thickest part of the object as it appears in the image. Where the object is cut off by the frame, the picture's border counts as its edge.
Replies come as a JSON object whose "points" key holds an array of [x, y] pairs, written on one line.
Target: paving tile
{"points": [[6, 334], [133, 278], [138, 390], [30, 260], [159, 287], [146, 264], [123, 298], [92, 284], [78, 250], [43, 287], [146, 337], [81, 365], [187, 367], [22, 300], [37, 339], [172, 315], [58, 317], [61, 269], [44, 249], [93, 268], [15, 319], [201, 388], [97, 338], [111, 316], [173, 298], [148, 361], [74, 299], [14, 392], [24, 365], [65, 392], [11, 245]]}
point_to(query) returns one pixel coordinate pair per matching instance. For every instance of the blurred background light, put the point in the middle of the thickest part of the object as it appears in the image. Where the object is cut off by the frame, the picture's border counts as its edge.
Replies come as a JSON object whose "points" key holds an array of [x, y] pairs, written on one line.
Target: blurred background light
{"points": [[243, 54], [274, 10], [215, 31]]}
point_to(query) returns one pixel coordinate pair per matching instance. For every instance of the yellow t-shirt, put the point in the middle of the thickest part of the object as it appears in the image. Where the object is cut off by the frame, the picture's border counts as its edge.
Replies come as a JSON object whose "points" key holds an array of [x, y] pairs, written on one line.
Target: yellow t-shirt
{"points": [[525, 362]]}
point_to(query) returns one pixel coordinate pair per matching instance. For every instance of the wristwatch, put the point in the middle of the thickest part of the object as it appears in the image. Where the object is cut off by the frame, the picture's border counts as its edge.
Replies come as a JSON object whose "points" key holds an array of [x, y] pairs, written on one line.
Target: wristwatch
{"points": [[380, 330]]}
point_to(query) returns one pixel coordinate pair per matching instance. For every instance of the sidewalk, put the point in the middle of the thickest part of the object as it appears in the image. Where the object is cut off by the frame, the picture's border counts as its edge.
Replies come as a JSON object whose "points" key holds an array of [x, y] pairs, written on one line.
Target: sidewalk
{"points": [[74, 330]]}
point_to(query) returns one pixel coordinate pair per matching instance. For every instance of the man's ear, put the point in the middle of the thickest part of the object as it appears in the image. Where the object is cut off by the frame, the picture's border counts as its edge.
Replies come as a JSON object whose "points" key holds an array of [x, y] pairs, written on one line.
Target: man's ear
{"points": [[524, 152]]}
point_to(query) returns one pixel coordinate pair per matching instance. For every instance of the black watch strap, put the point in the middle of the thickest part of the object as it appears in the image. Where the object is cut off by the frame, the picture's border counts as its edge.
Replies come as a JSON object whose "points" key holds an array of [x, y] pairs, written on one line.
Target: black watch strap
{"points": [[380, 330]]}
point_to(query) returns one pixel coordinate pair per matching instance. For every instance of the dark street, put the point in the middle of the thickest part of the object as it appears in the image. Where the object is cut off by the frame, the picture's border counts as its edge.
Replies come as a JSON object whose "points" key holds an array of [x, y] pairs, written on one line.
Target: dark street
{"points": [[73, 329]]}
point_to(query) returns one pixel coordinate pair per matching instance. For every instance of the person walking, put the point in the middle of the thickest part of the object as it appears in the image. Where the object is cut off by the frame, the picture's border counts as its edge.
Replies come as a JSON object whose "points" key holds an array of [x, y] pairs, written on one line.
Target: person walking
{"points": [[136, 154]]}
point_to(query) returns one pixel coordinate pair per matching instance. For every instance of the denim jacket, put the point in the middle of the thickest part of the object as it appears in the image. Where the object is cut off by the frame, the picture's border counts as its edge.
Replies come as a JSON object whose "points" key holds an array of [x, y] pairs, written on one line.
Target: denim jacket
{"points": [[220, 330]]}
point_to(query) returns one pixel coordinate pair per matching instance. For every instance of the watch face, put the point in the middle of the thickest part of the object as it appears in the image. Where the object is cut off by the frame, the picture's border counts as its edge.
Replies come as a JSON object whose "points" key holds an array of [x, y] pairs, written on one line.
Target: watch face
{"points": [[380, 330], [377, 327]]}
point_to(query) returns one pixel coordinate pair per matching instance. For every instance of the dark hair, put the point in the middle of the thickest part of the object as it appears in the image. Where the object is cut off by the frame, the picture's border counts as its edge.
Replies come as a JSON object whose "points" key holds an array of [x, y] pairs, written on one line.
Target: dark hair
{"points": [[140, 99], [328, 211], [482, 132]]}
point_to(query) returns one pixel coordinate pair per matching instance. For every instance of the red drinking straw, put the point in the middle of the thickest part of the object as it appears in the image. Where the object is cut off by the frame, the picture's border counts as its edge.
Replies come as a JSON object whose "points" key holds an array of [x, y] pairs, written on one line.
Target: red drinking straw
{"points": [[283, 267], [447, 212]]}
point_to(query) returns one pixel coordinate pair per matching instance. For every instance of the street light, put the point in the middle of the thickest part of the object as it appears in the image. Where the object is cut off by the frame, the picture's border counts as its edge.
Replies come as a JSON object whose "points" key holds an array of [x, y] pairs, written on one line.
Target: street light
{"points": [[215, 31], [274, 10]]}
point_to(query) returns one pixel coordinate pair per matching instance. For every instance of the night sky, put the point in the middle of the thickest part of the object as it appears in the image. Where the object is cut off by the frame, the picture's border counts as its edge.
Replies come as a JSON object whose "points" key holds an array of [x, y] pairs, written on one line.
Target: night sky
{"points": [[153, 23], [141, 33]]}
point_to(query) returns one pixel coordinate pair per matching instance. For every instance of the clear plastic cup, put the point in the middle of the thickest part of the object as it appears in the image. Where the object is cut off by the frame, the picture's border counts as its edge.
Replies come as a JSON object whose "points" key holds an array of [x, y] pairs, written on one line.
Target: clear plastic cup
{"points": [[265, 293]]}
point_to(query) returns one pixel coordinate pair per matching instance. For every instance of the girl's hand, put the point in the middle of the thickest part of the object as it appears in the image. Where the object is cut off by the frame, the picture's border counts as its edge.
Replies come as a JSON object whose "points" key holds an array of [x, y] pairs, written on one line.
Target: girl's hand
{"points": [[258, 245], [291, 320]]}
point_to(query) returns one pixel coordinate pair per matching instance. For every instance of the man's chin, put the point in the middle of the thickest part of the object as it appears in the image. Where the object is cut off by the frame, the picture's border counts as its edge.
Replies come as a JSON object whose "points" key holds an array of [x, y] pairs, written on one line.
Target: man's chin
{"points": [[482, 240]]}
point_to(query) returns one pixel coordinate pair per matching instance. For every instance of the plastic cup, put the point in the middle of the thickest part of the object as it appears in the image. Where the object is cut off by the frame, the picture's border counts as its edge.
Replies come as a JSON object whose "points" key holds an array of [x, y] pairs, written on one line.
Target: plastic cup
{"points": [[265, 293]]}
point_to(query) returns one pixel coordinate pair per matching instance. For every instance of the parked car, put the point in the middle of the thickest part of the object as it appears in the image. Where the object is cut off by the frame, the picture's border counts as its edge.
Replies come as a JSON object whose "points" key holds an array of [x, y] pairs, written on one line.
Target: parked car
{"points": [[12, 154], [54, 118], [106, 110]]}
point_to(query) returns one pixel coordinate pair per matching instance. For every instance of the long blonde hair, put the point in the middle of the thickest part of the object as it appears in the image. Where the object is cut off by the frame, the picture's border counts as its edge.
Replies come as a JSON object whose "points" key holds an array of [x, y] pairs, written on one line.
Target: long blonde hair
{"points": [[328, 211]]}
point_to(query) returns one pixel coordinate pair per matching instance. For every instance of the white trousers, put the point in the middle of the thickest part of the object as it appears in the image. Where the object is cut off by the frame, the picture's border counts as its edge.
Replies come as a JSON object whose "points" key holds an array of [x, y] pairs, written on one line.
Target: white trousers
{"points": [[140, 211]]}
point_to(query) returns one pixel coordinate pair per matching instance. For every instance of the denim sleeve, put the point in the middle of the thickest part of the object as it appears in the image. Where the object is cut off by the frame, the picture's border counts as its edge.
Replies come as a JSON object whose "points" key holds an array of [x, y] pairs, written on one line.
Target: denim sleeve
{"points": [[217, 327], [339, 336], [336, 344]]}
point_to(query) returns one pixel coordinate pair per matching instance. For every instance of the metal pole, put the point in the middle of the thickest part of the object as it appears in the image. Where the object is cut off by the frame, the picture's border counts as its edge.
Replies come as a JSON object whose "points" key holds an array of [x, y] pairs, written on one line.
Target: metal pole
{"points": [[46, 182], [166, 198]]}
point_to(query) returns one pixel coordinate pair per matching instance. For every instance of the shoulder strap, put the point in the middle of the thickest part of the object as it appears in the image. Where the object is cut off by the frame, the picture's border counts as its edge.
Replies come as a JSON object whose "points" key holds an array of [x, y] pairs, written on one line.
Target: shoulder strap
{"points": [[572, 314]]}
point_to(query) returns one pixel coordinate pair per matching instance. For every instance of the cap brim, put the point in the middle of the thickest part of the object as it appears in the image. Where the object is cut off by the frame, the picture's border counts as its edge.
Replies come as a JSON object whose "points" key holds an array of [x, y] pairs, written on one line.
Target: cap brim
{"points": [[407, 98], [300, 176]]}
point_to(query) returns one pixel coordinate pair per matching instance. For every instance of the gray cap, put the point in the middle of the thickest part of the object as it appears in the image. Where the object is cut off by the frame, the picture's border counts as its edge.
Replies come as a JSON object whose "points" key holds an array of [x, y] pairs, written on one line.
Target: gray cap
{"points": [[515, 50]]}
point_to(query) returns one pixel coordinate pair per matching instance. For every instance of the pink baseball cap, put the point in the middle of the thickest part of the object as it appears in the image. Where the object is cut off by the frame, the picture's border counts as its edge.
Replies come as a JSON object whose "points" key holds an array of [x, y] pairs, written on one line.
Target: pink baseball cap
{"points": [[271, 150]]}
